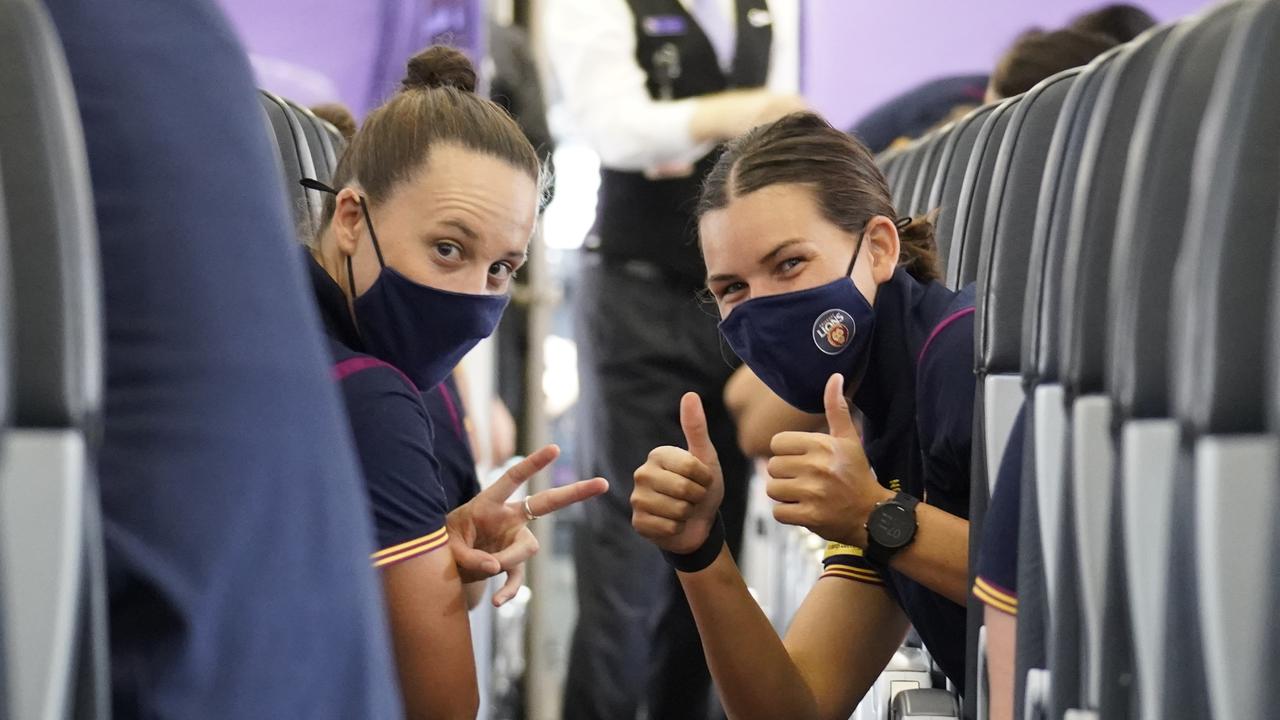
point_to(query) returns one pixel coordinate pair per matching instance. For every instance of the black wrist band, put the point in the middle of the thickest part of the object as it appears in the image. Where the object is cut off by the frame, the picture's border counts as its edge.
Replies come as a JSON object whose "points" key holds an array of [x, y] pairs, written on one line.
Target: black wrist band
{"points": [[701, 558]]}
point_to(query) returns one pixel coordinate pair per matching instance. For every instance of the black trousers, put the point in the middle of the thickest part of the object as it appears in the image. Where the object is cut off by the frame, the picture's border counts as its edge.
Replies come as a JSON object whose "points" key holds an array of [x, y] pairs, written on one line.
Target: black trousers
{"points": [[642, 344]]}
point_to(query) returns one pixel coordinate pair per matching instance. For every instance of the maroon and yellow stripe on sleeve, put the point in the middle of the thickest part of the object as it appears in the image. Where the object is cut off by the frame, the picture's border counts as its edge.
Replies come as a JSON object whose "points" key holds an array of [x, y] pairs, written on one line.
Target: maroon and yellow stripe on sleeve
{"points": [[411, 549], [996, 597], [846, 561]]}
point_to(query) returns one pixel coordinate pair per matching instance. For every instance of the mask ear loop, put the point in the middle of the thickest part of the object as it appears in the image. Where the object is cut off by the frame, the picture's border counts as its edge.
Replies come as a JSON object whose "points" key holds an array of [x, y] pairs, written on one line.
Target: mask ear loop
{"points": [[368, 221], [901, 224], [857, 249], [313, 184], [705, 302]]}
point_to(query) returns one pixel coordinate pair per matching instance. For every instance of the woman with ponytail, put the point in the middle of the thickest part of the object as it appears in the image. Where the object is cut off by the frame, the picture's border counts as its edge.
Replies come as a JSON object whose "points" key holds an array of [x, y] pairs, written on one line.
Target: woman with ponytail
{"points": [[453, 189], [833, 301]]}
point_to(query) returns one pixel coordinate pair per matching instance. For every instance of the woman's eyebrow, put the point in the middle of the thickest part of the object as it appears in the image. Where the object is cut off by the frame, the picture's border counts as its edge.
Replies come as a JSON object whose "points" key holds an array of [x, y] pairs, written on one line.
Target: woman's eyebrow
{"points": [[769, 256], [461, 227]]}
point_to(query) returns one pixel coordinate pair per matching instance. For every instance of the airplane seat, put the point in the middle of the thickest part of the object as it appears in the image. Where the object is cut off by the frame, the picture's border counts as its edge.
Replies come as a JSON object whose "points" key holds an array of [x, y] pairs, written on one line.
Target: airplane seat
{"points": [[6, 352], [907, 173], [1088, 467], [952, 163], [296, 157], [237, 537], [6, 347], [324, 155], [1011, 212], [971, 205], [1039, 367], [918, 203], [924, 704], [336, 140], [1148, 239], [1226, 497], [50, 539], [888, 162]]}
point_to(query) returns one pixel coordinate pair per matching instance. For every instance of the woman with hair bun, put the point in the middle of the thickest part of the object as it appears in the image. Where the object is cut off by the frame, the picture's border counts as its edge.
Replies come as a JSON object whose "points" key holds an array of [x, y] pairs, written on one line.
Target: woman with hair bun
{"points": [[429, 217], [832, 300]]}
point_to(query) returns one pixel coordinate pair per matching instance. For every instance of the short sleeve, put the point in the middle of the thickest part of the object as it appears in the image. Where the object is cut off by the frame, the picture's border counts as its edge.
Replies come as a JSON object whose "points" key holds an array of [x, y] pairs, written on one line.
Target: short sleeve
{"points": [[451, 445], [997, 572], [393, 439], [847, 562], [945, 392]]}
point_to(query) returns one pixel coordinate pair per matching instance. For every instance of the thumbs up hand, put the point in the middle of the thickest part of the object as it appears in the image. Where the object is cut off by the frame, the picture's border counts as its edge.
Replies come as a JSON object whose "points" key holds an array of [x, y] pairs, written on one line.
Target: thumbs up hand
{"points": [[678, 492], [822, 481]]}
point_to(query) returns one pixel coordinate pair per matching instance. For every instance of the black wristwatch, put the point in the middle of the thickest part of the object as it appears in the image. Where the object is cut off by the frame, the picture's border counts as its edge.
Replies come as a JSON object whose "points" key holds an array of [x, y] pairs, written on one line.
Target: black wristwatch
{"points": [[890, 527]]}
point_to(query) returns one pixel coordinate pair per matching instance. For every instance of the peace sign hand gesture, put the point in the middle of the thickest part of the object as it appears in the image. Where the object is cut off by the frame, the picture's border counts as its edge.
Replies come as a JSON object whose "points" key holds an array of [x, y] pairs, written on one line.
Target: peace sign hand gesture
{"points": [[489, 534]]}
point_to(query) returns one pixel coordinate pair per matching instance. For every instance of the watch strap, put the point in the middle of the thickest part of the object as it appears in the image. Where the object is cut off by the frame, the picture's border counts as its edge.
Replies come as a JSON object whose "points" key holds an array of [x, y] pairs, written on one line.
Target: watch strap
{"points": [[878, 554]]}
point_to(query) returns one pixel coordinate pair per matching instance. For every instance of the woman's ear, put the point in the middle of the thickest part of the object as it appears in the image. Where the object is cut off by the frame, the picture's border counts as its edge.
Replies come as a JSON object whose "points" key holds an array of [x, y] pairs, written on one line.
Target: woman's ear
{"points": [[881, 241], [348, 221]]}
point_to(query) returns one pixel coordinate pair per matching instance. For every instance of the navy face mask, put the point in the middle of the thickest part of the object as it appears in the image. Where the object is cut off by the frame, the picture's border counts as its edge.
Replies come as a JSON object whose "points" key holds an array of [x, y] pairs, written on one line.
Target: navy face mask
{"points": [[795, 341], [423, 331]]}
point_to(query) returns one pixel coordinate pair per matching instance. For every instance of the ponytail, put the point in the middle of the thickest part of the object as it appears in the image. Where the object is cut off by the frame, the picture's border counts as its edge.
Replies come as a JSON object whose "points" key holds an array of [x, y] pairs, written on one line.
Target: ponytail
{"points": [[918, 252]]}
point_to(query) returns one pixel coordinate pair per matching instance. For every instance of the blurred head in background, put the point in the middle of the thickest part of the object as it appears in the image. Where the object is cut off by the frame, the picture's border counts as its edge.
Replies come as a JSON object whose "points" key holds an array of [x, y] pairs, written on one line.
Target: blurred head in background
{"points": [[1121, 22], [1037, 54], [337, 115]]}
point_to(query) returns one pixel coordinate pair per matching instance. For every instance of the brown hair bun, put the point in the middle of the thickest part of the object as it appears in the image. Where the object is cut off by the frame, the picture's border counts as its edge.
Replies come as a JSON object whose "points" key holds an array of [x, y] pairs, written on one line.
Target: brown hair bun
{"points": [[439, 66]]}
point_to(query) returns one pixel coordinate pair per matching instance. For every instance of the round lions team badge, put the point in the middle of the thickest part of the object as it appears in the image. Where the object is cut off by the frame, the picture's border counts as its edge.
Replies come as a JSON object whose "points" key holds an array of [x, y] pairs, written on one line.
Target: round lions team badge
{"points": [[832, 331]]}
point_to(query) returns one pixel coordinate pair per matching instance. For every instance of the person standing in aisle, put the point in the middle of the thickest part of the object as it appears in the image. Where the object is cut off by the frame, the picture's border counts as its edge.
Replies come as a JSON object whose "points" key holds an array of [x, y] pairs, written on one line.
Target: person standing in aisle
{"points": [[653, 86]]}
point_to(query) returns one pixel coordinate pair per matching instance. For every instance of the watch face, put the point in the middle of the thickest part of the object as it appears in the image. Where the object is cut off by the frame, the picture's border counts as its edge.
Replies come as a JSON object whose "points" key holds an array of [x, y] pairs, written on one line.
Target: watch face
{"points": [[892, 526]]}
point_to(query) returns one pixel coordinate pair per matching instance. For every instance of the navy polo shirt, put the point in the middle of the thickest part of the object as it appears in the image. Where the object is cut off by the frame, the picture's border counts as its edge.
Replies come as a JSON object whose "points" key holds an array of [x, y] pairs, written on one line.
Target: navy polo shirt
{"points": [[452, 445], [393, 437], [917, 403], [996, 581]]}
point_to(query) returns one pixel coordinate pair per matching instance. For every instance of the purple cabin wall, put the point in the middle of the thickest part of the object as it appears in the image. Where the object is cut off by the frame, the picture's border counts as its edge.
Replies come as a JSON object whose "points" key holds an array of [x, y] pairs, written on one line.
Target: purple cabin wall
{"points": [[324, 50], [858, 53]]}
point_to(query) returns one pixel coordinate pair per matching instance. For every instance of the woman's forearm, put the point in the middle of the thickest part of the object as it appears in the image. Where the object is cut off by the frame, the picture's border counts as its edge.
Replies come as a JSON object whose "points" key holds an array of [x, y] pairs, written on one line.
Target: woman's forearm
{"points": [[755, 675], [938, 558]]}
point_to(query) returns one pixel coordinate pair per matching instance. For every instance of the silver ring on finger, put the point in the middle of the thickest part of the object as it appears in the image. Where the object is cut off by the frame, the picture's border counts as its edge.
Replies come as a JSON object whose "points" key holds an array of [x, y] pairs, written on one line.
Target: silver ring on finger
{"points": [[529, 514]]}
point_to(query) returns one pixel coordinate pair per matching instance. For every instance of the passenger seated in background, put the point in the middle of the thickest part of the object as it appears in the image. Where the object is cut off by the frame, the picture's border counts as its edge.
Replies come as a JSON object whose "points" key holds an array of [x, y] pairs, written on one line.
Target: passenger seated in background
{"points": [[805, 254], [454, 186], [339, 116], [1036, 55], [916, 111], [1120, 22], [996, 583]]}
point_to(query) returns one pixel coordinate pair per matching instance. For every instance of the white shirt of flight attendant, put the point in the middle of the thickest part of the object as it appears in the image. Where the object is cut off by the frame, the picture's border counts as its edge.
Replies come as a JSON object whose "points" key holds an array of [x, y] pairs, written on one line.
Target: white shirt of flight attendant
{"points": [[592, 46]]}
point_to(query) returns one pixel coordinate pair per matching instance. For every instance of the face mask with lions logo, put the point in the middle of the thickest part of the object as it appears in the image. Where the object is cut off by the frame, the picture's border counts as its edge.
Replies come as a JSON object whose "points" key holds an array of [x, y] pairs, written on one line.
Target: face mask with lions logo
{"points": [[795, 341]]}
